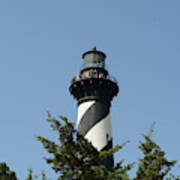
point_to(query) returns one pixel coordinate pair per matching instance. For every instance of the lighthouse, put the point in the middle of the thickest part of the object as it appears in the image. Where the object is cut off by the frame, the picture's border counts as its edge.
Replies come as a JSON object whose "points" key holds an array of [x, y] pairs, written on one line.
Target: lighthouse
{"points": [[94, 89]]}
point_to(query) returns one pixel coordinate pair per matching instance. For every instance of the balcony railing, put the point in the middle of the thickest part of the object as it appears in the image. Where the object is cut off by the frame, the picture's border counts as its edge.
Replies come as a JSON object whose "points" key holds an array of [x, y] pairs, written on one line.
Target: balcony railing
{"points": [[96, 76]]}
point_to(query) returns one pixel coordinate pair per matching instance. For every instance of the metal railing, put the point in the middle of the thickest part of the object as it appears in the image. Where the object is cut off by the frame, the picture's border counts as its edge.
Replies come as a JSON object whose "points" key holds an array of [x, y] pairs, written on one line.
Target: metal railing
{"points": [[100, 76]]}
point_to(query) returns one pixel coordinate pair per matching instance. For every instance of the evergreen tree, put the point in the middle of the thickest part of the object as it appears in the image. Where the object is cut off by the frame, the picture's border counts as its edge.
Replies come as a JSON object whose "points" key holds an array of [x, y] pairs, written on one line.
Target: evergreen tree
{"points": [[153, 165], [74, 158], [6, 173]]}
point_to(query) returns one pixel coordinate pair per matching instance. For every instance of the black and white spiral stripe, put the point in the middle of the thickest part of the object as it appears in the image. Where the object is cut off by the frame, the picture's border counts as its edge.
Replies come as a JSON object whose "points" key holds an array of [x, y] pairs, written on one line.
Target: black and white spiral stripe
{"points": [[94, 123]]}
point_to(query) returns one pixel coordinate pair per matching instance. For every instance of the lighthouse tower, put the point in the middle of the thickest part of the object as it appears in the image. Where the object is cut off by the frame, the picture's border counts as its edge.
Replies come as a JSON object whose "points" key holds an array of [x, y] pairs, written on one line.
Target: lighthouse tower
{"points": [[94, 88]]}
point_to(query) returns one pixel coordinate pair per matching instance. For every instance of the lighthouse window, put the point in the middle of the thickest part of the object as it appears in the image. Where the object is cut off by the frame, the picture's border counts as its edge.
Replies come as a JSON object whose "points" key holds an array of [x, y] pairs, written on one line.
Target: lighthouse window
{"points": [[107, 137]]}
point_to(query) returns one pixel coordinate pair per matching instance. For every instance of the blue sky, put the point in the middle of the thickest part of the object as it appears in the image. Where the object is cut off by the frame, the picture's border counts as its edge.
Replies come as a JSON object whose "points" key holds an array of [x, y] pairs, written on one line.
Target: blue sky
{"points": [[41, 43]]}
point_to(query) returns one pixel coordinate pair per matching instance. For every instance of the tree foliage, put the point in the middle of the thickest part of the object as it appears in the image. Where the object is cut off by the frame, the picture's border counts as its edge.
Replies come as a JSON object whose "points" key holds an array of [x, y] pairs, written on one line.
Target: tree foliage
{"points": [[6, 173], [74, 158]]}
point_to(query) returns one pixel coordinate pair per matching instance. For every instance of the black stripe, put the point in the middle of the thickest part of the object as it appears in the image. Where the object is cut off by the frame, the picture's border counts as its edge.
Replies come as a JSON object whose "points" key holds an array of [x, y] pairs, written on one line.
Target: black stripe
{"points": [[92, 116], [109, 162]]}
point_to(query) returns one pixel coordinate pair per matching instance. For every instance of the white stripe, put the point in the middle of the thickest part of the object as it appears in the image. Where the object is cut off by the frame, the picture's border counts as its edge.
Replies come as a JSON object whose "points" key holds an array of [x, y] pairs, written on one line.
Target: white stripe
{"points": [[97, 135], [82, 108]]}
